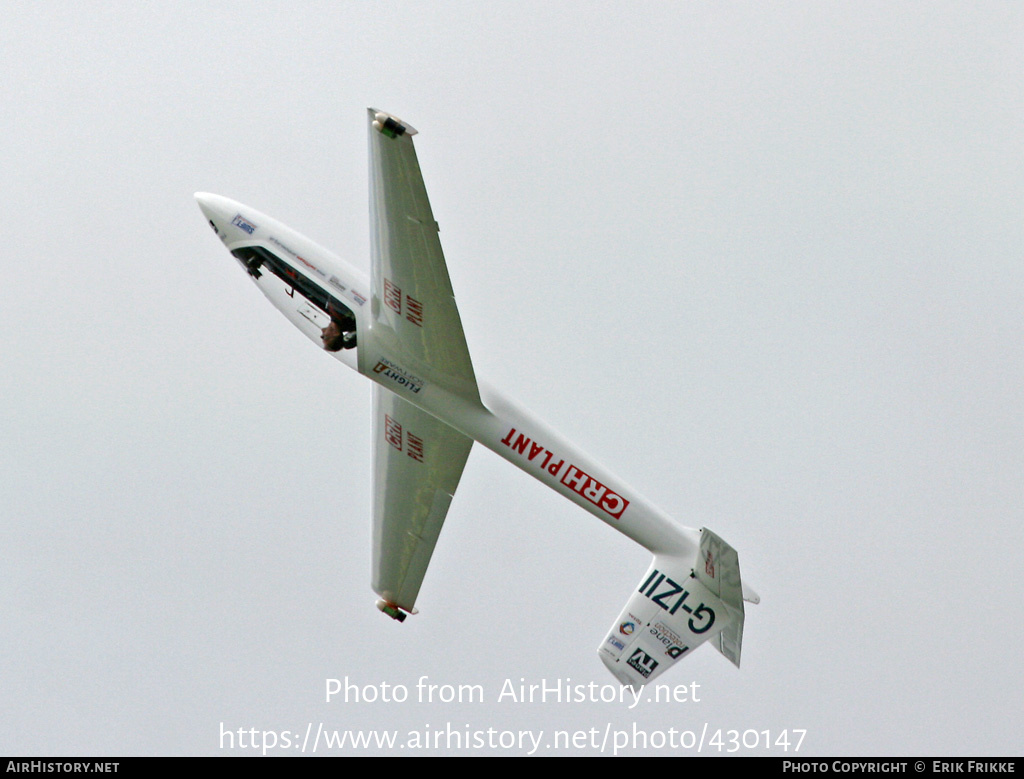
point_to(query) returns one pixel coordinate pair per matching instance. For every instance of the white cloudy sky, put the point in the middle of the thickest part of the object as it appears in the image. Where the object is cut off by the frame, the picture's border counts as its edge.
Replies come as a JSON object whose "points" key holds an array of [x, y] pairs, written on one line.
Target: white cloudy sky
{"points": [[763, 260]]}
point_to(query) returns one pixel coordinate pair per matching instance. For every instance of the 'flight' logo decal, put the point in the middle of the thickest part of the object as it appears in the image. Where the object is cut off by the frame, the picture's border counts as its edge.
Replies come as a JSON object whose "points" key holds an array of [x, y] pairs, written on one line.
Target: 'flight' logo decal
{"points": [[397, 375]]}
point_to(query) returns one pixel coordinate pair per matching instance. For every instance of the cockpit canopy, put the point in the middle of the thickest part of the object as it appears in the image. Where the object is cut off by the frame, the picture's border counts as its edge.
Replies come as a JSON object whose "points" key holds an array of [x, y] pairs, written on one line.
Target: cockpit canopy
{"points": [[341, 332]]}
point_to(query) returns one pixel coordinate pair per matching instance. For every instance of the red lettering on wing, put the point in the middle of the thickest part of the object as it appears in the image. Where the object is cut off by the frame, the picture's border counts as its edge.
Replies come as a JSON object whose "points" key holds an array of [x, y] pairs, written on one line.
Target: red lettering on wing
{"points": [[392, 296], [415, 310], [393, 432], [415, 446]]}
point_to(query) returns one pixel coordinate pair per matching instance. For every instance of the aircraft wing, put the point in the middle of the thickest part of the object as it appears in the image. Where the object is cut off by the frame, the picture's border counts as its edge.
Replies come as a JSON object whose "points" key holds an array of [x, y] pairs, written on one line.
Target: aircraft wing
{"points": [[415, 322], [414, 330], [418, 461]]}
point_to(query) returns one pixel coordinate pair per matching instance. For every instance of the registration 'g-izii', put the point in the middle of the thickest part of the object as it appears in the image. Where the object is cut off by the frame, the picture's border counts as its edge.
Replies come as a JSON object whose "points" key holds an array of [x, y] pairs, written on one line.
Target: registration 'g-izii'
{"points": [[400, 328]]}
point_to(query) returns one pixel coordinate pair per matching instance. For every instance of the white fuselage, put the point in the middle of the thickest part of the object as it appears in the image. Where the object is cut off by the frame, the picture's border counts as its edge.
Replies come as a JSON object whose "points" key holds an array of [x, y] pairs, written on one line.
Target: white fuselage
{"points": [[495, 422]]}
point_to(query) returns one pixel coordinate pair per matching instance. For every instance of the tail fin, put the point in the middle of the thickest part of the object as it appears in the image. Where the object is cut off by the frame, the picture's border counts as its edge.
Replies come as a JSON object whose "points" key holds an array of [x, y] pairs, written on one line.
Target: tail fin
{"points": [[678, 606]]}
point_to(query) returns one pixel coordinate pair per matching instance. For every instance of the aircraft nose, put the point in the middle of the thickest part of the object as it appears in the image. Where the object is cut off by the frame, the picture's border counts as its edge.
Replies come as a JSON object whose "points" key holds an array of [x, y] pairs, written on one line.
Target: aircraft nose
{"points": [[212, 207], [225, 216]]}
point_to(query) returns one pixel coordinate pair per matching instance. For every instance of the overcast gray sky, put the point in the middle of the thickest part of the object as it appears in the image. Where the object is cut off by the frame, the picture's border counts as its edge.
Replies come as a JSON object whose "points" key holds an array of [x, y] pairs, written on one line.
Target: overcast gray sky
{"points": [[763, 260]]}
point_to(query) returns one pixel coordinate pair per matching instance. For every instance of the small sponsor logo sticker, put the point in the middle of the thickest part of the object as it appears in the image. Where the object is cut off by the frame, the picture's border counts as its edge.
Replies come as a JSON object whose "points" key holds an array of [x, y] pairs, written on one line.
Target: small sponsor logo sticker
{"points": [[311, 266], [616, 643], [287, 248], [669, 638], [642, 662], [627, 628], [665, 634], [243, 224]]}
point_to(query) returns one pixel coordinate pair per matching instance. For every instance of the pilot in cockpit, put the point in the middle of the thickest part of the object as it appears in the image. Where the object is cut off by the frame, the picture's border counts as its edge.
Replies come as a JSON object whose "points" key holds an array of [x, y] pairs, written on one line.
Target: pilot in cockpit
{"points": [[340, 333], [335, 339]]}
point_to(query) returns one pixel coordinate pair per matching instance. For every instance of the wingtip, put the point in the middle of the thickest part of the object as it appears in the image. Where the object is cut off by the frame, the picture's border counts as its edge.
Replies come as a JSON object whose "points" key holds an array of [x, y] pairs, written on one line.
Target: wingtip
{"points": [[389, 124]]}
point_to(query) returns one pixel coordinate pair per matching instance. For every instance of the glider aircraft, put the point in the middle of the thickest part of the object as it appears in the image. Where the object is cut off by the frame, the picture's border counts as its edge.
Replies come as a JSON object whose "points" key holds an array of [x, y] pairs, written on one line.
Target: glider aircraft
{"points": [[400, 328]]}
